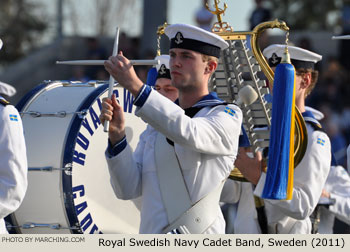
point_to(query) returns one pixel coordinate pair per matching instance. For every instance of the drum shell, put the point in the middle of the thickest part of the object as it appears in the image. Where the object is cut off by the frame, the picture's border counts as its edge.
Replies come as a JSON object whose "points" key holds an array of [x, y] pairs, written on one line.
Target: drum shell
{"points": [[77, 195]]}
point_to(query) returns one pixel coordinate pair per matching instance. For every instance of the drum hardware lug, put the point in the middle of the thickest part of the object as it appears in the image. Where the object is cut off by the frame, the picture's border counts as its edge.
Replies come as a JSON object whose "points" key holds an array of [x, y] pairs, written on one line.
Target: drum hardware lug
{"points": [[49, 168], [82, 113], [93, 83], [68, 169]]}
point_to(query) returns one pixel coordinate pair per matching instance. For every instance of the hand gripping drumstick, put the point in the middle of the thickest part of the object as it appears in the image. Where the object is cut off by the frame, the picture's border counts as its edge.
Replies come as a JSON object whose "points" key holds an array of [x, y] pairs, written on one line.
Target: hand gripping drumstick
{"points": [[111, 79]]}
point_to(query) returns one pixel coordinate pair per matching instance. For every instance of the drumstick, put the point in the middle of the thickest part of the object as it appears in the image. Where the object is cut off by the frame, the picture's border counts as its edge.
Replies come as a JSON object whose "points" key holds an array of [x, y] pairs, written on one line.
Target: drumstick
{"points": [[101, 62], [111, 79], [341, 37]]}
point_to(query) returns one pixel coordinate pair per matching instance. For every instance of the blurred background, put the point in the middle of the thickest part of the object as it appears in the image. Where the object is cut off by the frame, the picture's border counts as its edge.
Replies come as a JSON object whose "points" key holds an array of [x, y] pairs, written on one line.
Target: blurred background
{"points": [[37, 33]]}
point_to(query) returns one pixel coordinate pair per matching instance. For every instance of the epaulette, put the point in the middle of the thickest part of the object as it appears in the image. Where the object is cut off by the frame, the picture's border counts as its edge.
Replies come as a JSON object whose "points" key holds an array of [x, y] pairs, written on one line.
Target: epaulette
{"points": [[3, 101], [311, 120], [313, 123]]}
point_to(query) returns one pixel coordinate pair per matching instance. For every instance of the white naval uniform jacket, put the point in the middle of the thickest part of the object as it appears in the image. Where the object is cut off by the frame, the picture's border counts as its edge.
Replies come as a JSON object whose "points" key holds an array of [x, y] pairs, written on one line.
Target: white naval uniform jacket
{"points": [[338, 185], [13, 163], [292, 216], [206, 146]]}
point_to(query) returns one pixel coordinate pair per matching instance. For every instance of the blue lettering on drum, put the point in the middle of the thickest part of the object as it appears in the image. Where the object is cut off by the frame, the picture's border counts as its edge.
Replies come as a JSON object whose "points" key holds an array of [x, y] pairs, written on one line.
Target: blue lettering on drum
{"points": [[94, 117], [79, 157], [99, 103], [87, 221], [128, 101], [83, 141], [80, 207], [87, 126], [80, 189]]}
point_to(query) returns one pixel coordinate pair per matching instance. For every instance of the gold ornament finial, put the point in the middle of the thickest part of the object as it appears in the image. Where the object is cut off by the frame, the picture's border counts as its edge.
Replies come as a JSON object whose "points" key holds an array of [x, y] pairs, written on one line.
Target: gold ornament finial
{"points": [[286, 55], [160, 32], [219, 26]]}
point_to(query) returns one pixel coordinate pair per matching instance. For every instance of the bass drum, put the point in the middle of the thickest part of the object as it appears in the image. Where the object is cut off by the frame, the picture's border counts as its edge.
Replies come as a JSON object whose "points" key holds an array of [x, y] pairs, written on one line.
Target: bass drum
{"points": [[69, 188]]}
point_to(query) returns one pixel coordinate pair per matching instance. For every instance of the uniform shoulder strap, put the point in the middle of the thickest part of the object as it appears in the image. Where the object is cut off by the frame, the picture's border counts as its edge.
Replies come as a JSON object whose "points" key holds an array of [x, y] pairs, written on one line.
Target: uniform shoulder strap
{"points": [[3, 101], [311, 120]]}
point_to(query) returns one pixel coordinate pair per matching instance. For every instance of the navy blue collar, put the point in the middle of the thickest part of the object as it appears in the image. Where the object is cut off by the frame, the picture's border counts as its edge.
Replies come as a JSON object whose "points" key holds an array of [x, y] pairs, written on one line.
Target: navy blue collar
{"points": [[308, 114], [309, 117], [208, 100]]}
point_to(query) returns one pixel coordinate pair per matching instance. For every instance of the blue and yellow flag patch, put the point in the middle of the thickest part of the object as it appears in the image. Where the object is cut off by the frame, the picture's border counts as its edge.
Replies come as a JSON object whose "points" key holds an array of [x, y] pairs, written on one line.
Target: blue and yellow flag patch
{"points": [[321, 141], [13, 118], [230, 111]]}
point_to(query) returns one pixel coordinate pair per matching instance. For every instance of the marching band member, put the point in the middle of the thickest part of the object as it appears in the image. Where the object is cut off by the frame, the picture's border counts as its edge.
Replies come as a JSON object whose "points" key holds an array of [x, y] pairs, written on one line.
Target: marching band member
{"points": [[13, 160], [348, 158], [180, 178], [337, 189], [292, 216], [335, 197]]}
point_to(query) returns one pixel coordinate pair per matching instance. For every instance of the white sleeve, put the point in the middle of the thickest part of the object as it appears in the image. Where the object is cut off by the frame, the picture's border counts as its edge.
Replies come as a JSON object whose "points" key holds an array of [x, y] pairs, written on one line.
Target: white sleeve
{"points": [[216, 132], [13, 161], [125, 170], [348, 158], [338, 185], [309, 178]]}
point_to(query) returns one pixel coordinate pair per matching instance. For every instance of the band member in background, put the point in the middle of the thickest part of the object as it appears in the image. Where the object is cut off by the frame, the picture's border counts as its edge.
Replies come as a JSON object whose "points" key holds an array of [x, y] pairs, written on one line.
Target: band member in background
{"points": [[292, 216], [200, 136], [13, 160], [335, 198]]}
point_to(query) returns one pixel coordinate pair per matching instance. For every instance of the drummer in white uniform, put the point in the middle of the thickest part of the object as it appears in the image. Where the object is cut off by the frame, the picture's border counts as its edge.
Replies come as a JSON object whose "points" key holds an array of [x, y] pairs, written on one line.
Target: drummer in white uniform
{"points": [[13, 159], [202, 139], [292, 216]]}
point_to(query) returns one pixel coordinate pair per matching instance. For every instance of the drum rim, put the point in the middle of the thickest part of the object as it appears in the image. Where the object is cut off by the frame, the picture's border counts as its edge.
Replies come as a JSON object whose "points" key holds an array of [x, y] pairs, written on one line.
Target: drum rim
{"points": [[30, 95], [69, 144]]}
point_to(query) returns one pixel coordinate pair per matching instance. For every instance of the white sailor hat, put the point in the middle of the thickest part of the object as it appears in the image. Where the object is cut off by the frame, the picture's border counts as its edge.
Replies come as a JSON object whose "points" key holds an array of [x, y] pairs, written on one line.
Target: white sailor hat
{"points": [[300, 58], [1, 44], [163, 68], [196, 39], [7, 89]]}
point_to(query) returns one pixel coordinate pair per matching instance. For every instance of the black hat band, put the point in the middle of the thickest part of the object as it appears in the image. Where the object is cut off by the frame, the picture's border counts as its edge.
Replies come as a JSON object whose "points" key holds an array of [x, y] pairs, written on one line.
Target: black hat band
{"points": [[296, 63], [163, 73], [195, 45]]}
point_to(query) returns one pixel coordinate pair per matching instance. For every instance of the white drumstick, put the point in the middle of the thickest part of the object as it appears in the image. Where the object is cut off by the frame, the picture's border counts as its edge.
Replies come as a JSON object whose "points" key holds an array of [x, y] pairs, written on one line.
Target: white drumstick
{"points": [[111, 79], [101, 62], [341, 37]]}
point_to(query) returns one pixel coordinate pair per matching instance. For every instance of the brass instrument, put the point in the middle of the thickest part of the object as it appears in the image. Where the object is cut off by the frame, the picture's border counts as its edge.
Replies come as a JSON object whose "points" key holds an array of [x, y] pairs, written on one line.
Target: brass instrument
{"points": [[239, 66]]}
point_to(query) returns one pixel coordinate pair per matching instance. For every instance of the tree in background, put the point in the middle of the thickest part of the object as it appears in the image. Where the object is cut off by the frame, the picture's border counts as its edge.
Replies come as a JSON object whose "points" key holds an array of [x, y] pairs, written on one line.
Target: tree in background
{"points": [[22, 24], [101, 15]]}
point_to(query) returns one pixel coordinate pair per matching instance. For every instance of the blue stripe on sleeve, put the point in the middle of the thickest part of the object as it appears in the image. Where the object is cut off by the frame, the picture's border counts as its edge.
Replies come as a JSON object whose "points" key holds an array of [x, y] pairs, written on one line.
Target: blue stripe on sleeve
{"points": [[117, 148], [142, 96]]}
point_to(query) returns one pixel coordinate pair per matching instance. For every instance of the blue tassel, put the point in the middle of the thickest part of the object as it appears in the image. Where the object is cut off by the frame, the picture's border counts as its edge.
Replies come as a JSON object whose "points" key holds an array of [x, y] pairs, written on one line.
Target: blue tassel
{"points": [[152, 77], [281, 158]]}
